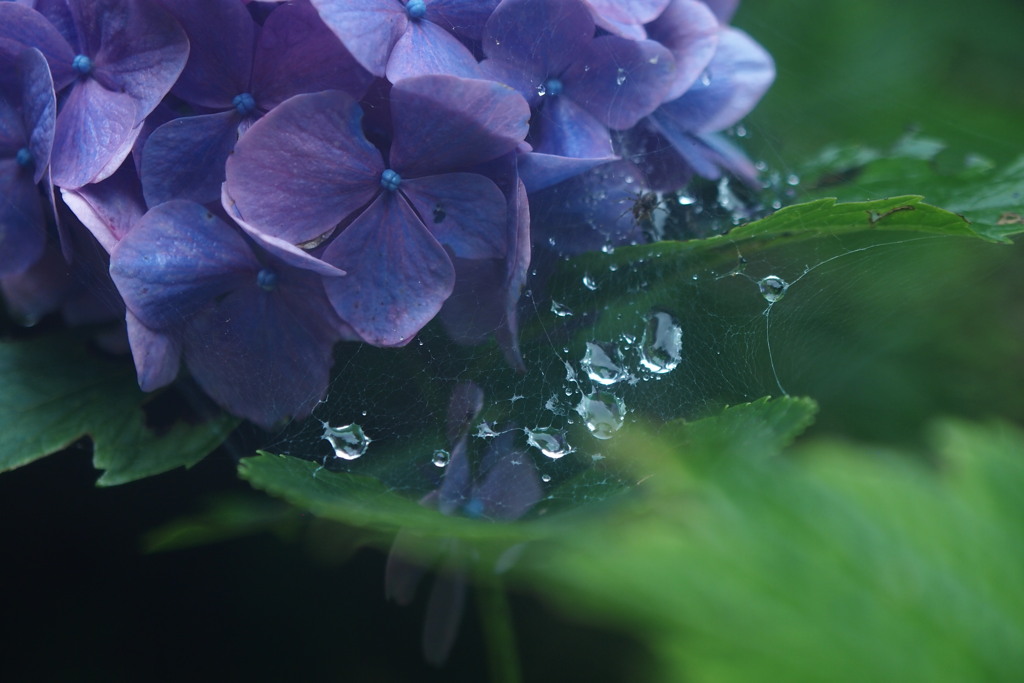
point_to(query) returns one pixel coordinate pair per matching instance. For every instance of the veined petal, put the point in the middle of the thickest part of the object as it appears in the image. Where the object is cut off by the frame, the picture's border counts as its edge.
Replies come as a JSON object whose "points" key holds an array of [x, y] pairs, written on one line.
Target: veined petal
{"points": [[369, 28], [304, 167], [110, 208], [444, 123], [563, 128], [426, 48], [546, 35], [92, 129], [690, 31], [39, 108], [157, 355], [539, 171], [626, 17], [185, 158], [461, 17], [398, 274], [28, 27], [22, 227], [463, 211]]}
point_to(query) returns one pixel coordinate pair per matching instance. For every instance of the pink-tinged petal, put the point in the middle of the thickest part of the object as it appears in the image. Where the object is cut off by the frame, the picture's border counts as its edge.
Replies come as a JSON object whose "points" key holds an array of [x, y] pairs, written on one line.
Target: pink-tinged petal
{"points": [[185, 158], [545, 35], [426, 48], [221, 37], [461, 17], [620, 81], [93, 127], [109, 208], [297, 53], [368, 28], [157, 356], [690, 31], [539, 171], [304, 167], [563, 128], [28, 27], [142, 49], [398, 274], [626, 18], [445, 123], [22, 225], [463, 211]]}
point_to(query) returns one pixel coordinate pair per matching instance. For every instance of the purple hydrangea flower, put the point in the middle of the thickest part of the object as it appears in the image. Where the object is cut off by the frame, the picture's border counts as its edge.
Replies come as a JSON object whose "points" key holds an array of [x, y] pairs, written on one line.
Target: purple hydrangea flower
{"points": [[404, 38], [27, 118], [240, 70], [113, 61], [626, 17], [253, 327], [307, 173]]}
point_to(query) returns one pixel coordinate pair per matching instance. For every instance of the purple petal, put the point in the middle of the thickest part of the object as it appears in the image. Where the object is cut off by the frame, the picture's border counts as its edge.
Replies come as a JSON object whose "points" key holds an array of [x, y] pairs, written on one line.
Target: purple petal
{"points": [[141, 48], [297, 53], [304, 167], [39, 290], [545, 35], [563, 128], [464, 211], [398, 274], [28, 27], [527, 79], [369, 28], [462, 17], [221, 36], [626, 17], [405, 566], [445, 605], [426, 48], [93, 128], [620, 81], [445, 123], [723, 9], [466, 402], [109, 208], [510, 485], [458, 479], [22, 226], [690, 31], [39, 108], [539, 171], [157, 356], [184, 158]]}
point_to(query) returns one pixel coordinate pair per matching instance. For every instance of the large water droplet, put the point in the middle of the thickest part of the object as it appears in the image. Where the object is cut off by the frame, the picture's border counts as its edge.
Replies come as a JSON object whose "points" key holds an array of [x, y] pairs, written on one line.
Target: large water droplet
{"points": [[349, 442], [549, 441], [589, 282], [772, 288], [602, 363], [603, 413], [661, 346], [441, 458], [620, 76], [560, 309]]}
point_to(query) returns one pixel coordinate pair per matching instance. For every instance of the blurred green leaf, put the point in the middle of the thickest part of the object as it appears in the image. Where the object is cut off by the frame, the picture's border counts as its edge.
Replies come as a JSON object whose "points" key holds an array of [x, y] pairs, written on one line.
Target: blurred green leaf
{"points": [[57, 391]]}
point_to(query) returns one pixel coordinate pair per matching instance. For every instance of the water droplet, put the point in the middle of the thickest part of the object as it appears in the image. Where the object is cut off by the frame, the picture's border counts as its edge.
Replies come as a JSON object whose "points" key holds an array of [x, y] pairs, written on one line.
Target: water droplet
{"points": [[560, 309], [661, 346], [549, 441], [685, 200], [620, 76], [772, 288], [542, 90], [607, 249], [601, 363], [486, 431], [545, 478], [653, 60], [589, 282], [741, 132], [603, 413], [441, 458], [705, 78], [349, 442], [792, 179]]}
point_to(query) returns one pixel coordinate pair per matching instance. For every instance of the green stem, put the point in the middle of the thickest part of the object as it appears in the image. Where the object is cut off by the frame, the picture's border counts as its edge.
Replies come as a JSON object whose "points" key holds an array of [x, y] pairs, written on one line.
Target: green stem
{"points": [[499, 636]]}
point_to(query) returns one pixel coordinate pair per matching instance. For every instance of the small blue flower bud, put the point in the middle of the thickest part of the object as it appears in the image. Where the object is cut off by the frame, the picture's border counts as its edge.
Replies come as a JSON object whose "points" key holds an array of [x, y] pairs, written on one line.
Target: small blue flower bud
{"points": [[24, 158], [82, 65], [267, 280], [416, 9], [390, 180], [553, 86], [244, 104]]}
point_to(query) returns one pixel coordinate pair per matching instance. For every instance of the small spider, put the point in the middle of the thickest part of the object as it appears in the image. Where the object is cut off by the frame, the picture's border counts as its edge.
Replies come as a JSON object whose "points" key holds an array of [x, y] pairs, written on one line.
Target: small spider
{"points": [[643, 207]]}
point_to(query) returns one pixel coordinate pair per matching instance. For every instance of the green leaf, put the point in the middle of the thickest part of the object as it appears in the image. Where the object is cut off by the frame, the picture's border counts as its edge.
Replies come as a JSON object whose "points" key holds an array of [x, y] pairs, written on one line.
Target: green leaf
{"points": [[57, 391]]}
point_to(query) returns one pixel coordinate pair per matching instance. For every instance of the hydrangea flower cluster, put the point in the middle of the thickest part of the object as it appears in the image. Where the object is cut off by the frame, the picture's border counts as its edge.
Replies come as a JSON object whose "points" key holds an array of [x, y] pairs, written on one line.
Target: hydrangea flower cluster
{"points": [[249, 183]]}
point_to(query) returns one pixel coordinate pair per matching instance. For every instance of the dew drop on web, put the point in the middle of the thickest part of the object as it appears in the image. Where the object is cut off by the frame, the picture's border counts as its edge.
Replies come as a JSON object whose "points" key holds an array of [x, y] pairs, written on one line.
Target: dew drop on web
{"points": [[661, 345], [603, 413], [560, 309], [549, 441], [602, 363], [441, 458], [349, 442], [772, 288]]}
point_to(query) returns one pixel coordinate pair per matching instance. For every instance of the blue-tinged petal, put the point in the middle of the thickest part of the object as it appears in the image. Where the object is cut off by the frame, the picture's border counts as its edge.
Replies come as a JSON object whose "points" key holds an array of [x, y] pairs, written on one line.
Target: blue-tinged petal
{"points": [[184, 158], [297, 53], [426, 48], [539, 171], [157, 355], [28, 27], [684, 142], [619, 81], [221, 36], [563, 128], [175, 260], [463, 211], [723, 9], [545, 35], [690, 31], [461, 17], [737, 77], [398, 274], [527, 79], [92, 128], [110, 208], [626, 17], [304, 167], [509, 484], [137, 47], [369, 28], [445, 123], [27, 107], [22, 225]]}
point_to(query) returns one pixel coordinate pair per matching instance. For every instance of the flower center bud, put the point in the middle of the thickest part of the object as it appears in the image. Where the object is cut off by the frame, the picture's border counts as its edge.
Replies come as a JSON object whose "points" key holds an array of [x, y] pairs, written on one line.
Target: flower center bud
{"points": [[81, 65], [244, 104], [24, 158], [390, 180], [267, 280], [552, 86], [416, 9]]}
